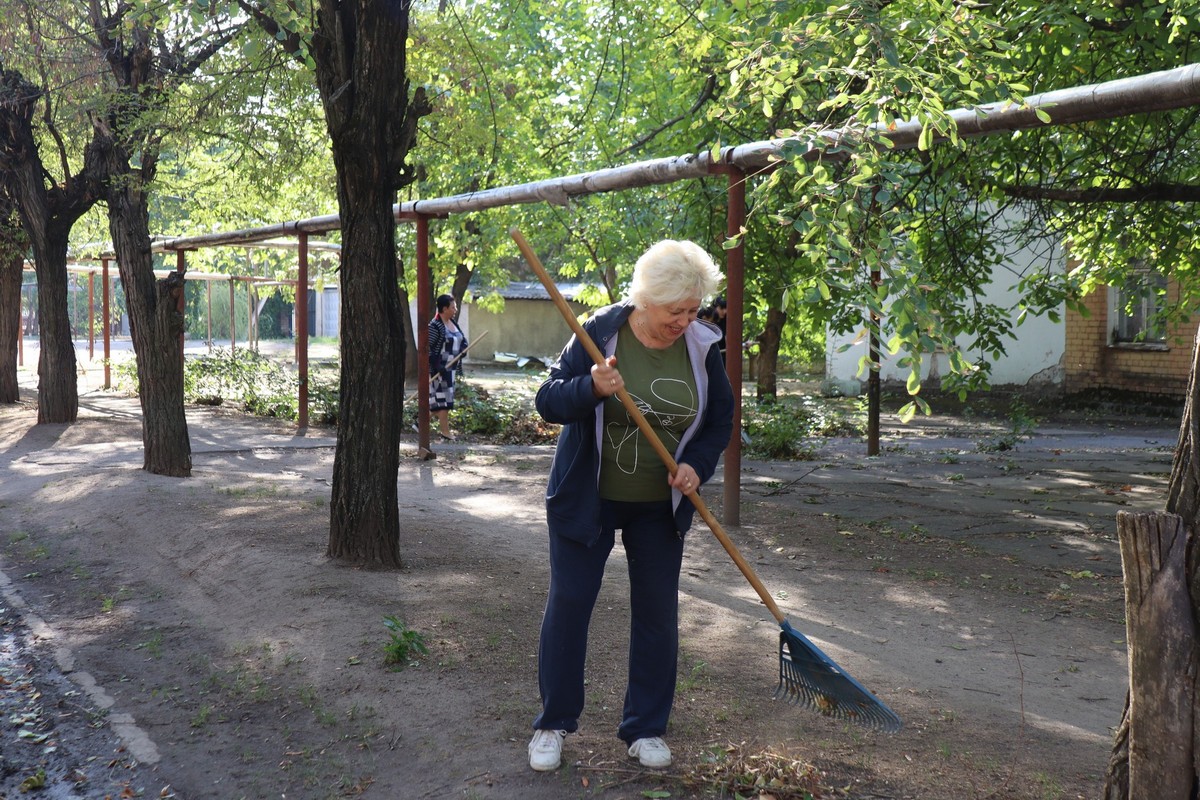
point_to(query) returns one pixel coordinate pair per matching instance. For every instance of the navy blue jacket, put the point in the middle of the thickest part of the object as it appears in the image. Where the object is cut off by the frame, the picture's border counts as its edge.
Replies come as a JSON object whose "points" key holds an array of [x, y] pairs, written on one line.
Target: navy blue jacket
{"points": [[566, 398]]}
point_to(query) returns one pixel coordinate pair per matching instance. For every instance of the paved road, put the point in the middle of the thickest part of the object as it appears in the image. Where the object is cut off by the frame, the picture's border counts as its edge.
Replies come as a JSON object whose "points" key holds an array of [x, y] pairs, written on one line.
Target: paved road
{"points": [[1051, 500]]}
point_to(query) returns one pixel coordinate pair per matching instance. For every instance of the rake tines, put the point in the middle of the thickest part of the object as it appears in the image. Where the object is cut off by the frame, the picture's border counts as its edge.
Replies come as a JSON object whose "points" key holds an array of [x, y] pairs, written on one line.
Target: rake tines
{"points": [[809, 677]]}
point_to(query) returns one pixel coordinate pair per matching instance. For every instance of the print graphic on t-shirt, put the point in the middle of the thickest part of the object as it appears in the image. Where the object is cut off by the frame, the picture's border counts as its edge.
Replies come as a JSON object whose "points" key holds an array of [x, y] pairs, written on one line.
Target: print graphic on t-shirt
{"points": [[670, 409]]}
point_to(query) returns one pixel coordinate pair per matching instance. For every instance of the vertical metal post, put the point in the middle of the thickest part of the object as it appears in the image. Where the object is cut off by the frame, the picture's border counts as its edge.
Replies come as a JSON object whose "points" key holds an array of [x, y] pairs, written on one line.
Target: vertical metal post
{"points": [[91, 316], [251, 340], [232, 317], [208, 313], [104, 311], [300, 330], [424, 313], [735, 263]]}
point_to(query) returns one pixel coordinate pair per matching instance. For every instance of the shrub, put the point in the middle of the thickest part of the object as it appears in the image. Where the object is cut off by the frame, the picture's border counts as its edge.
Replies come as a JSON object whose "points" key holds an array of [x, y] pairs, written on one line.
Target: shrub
{"points": [[403, 645], [261, 385], [504, 417], [784, 429]]}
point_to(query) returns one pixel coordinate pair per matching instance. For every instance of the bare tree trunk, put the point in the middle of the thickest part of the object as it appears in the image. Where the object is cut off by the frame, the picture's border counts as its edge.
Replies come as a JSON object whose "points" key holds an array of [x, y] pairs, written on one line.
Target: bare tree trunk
{"points": [[1116, 783], [156, 326], [58, 392], [13, 244], [155, 323], [1183, 490], [768, 353], [48, 210], [10, 325], [361, 62], [364, 515], [1162, 656], [1157, 743]]}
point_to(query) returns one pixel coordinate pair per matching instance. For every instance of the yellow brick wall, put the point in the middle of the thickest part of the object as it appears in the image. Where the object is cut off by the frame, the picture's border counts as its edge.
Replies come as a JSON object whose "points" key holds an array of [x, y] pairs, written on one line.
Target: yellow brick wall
{"points": [[1091, 363]]}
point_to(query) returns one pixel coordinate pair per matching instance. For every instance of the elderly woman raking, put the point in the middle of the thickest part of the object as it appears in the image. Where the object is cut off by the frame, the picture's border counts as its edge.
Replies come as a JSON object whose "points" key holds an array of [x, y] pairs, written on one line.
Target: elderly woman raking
{"points": [[606, 477]]}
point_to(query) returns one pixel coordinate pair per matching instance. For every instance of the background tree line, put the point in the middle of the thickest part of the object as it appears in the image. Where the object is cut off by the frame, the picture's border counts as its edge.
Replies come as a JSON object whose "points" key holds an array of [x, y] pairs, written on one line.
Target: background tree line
{"points": [[126, 119]]}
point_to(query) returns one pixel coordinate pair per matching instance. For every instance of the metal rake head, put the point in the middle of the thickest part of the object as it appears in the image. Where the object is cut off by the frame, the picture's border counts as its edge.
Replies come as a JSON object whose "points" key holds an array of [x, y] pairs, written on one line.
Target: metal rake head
{"points": [[809, 677]]}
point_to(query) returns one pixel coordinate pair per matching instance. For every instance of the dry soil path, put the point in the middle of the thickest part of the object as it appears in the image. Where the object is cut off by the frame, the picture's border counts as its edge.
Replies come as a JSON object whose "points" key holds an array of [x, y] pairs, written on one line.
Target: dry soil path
{"points": [[210, 650]]}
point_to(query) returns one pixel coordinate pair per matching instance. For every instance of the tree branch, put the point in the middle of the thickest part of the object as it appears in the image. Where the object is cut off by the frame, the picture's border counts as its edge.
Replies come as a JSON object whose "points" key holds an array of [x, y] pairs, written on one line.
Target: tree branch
{"points": [[706, 94], [1150, 193], [290, 41]]}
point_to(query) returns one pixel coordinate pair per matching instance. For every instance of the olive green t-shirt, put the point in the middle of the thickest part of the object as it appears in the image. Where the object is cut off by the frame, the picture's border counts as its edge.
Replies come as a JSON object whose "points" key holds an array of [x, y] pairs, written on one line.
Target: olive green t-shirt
{"points": [[663, 387]]}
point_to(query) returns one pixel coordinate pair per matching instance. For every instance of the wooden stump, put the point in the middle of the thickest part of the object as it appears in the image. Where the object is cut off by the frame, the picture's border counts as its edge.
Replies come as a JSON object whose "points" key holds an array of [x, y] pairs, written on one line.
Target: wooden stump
{"points": [[1157, 735]]}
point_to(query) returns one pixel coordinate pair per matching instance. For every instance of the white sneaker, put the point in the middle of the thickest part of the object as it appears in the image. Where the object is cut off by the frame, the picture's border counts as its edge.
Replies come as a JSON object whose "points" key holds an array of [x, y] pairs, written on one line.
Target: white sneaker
{"points": [[545, 750], [652, 752]]}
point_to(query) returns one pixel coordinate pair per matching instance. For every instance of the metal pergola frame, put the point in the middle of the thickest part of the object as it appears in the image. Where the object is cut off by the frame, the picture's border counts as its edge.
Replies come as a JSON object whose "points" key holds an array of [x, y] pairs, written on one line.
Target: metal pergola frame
{"points": [[1159, 91]]}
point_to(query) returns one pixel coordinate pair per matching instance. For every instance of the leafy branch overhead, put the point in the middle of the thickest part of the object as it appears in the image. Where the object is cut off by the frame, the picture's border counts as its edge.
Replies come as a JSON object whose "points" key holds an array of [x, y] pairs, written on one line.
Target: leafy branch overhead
{"points": [[911, 239]]}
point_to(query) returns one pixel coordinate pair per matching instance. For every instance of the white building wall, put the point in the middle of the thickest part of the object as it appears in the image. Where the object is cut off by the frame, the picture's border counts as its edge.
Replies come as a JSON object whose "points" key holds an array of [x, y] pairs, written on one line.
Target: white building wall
{"points": [[1033, 358]]}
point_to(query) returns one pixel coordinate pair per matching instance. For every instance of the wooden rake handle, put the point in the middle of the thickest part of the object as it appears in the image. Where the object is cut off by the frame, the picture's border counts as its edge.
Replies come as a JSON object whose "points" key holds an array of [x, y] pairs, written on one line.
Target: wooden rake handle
{"points": [[644, 426]]}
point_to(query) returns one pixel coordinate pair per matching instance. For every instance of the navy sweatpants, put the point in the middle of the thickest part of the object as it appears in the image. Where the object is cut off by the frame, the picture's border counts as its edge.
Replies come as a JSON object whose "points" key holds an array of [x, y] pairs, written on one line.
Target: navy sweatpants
{"points": [[654, 551]]}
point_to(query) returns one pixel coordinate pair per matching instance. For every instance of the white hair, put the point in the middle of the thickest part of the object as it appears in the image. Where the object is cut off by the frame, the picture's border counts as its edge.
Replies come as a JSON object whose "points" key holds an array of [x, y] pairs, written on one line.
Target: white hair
{"points": [[670, 271]]}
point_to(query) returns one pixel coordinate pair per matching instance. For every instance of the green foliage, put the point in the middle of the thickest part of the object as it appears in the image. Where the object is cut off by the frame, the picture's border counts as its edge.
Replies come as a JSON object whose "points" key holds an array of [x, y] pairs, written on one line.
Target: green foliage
{"points": [[505, 417], [260, 385], [785, 429], [937, 224], [529, 91], [837, 79], [263, 386], [403, 645]]}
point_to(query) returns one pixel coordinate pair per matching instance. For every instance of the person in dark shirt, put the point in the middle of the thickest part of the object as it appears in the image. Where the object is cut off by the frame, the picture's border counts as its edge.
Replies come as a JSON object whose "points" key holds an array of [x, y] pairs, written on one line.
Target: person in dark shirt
{"points": [[715, 313], [606, 476]]}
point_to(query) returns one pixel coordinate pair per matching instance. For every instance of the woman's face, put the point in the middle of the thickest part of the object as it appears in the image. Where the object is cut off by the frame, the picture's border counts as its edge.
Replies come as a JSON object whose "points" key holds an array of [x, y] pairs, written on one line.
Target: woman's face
{"points": [[449, 311], [665, 323]]}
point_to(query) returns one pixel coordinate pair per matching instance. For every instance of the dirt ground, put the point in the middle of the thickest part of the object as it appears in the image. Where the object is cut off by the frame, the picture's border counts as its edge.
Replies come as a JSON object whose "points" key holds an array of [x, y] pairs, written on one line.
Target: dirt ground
{"points": [[210, 650]]}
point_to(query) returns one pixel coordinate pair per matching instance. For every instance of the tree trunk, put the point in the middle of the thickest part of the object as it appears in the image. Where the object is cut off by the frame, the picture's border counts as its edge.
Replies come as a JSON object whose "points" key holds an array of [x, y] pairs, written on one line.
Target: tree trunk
{"points": [[47, 211], [361, 63], [1116, 783], [1161, 627], [58, 391], [13, 246], [768, 353], [1156, 747], [156, 326], [364, 521], [10, 325], [155, 322]]}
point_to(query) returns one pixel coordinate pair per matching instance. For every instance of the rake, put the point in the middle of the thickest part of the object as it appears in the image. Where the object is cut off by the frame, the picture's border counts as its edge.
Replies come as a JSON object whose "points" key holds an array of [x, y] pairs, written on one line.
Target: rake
{"points": [[806, 675]]}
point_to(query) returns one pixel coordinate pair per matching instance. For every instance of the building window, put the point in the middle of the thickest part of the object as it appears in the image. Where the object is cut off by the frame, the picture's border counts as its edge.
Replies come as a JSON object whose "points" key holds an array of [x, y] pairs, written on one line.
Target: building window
{"points": [[1136, 310]]}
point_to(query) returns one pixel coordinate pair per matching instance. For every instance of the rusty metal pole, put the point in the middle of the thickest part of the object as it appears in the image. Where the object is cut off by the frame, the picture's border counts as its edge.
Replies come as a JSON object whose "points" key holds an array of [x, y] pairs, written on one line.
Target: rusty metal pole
{"points": [[251, 339], [105, 312], [208, 313], [424, 313], [301, 331], [91, 316], [232, 317], [735, 264]]}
